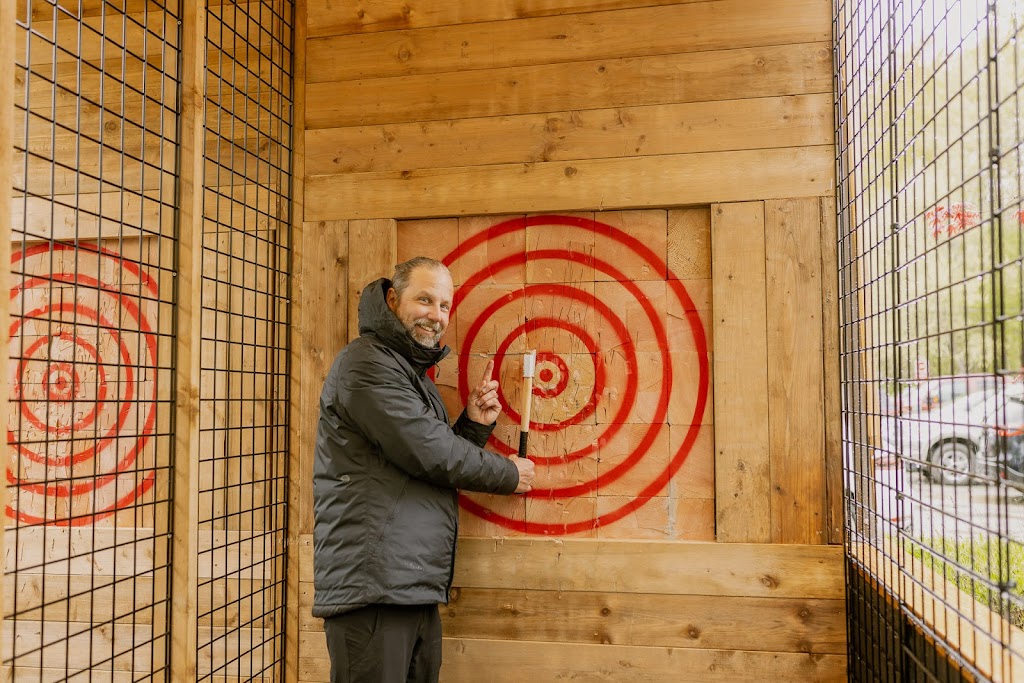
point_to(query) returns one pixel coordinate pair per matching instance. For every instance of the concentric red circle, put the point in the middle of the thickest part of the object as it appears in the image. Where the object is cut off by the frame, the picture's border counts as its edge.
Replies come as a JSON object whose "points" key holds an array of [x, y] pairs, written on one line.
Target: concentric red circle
{"points": [[631, 387], [692, 317], [546, 374], [532, 325], [114, 451]]}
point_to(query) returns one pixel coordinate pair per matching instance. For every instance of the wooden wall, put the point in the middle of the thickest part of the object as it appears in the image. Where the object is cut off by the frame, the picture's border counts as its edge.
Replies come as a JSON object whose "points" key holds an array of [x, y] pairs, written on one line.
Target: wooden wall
{"points": [[438, 109]]}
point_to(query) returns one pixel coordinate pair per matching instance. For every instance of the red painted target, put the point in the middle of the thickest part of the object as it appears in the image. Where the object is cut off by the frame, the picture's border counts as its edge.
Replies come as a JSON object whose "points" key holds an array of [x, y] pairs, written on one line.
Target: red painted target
{"points": [[83, 354], [575, 376]]}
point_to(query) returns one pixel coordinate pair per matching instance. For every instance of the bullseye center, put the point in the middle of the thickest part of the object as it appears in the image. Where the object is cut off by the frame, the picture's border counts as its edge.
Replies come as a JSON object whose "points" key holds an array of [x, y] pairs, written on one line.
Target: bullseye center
{"points": [[61, 381], [546, 375]]}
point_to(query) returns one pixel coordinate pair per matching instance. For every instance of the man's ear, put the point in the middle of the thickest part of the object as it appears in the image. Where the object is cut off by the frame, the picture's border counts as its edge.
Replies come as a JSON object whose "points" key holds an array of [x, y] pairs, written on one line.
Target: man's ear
{"points": [[392, 299]]}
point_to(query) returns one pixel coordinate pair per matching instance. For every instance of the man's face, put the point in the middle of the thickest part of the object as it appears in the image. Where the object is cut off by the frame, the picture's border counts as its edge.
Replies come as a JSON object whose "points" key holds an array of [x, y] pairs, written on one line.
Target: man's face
{"points": [[424, 306]]}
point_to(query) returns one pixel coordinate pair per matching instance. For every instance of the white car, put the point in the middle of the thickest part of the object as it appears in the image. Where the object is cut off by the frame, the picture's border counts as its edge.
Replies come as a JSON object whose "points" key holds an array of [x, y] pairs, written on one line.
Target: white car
{"points": [[949, 444]]}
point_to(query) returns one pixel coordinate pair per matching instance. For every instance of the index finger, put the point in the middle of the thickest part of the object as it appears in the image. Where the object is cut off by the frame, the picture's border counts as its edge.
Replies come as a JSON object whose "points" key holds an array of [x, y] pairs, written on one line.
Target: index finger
{"points": [[488, 370]]}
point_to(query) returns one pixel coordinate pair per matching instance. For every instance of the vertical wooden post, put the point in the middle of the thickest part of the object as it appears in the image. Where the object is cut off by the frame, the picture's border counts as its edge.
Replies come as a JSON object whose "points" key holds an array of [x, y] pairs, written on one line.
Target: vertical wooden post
{"points": [[830, 342], [796, 431], [7, 42], [185, 501], [742, 495], [299, 486]]}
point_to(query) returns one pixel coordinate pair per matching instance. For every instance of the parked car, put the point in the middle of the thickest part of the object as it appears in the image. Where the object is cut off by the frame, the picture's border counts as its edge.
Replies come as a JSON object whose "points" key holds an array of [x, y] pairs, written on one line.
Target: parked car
{"points": [[959, 441], [1004, 450]]}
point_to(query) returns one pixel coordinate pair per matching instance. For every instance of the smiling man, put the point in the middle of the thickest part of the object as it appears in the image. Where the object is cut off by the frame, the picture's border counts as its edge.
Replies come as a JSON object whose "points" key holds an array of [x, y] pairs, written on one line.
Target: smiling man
{"points": [[385, 481]]}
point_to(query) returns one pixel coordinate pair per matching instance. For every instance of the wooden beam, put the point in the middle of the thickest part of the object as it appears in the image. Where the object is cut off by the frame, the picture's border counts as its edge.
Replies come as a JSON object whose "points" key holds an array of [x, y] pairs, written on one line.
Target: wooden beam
{"points": [[183, 662], [766, 122], [88, 598], [373, 253], [515, 661], [831, 375], [300, 503], [695, 568], [8, 28], [661, 79], [806, 625], [618, 183], [70, 10], [721, 25], [767, 625], [795, 374], [320, 309], [742, 494], [326, 18], [509, 661]]}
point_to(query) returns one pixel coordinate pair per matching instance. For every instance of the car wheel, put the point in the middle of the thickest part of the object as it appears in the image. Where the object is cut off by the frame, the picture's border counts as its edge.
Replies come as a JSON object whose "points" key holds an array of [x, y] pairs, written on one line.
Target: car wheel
{"points": [[952, 463]]}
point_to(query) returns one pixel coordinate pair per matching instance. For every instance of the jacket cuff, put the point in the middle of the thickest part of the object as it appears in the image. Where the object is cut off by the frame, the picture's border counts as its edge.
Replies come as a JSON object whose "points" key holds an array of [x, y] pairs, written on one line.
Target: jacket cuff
{"points": [[472, 431]]}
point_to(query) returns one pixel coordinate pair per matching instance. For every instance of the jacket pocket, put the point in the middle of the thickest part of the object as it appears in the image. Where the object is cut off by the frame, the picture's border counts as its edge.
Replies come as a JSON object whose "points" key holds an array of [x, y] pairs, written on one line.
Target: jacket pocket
{"points": [[382, 535]]}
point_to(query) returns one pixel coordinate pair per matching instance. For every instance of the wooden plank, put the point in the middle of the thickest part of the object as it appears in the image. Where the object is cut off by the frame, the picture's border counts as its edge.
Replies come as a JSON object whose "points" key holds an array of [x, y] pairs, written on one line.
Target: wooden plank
{"points": [[795, 374], [111, 647], [745, 570], [731, 623], [114, 551], [791, 121], [724, 24], [183, 663], [90, 38], [373, 251], [321, 309], [69, 10], [613, 619], [689, 244], [633, 81], [742, 494], [46, 177], [130, 647], [326, 18], [694, 568], [77, 162], [86, 675], [669, 180], [94, 598], [831, 378], [302, 436], [8, 29], [515, 661], [79, 84], [306, 558], [91, 216]]}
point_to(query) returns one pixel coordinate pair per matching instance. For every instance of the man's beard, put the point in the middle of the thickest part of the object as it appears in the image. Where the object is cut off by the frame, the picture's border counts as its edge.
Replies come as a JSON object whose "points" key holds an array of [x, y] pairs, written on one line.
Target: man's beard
{"points": [[418, 326]]}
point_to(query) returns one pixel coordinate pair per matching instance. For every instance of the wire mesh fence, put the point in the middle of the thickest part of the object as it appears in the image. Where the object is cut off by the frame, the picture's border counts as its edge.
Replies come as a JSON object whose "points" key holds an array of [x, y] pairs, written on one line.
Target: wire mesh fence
{"points": [[86, 567], [930, 250], [95, 299], [244, 349]]}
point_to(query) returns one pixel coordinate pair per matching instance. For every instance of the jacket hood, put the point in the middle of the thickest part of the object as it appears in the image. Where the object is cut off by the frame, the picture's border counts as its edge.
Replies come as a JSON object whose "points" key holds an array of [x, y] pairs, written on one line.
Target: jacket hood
{"points": [[377, 319]]}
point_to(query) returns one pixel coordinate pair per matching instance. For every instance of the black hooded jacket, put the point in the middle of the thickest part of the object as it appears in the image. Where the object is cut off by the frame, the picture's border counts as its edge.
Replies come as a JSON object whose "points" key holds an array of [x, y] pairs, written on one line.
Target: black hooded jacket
{"points": [[387, 470]]}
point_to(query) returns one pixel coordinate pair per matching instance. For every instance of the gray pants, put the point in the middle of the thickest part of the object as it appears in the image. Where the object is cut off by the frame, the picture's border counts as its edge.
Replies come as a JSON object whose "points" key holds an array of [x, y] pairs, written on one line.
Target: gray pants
{"points": [[385, 644]]}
